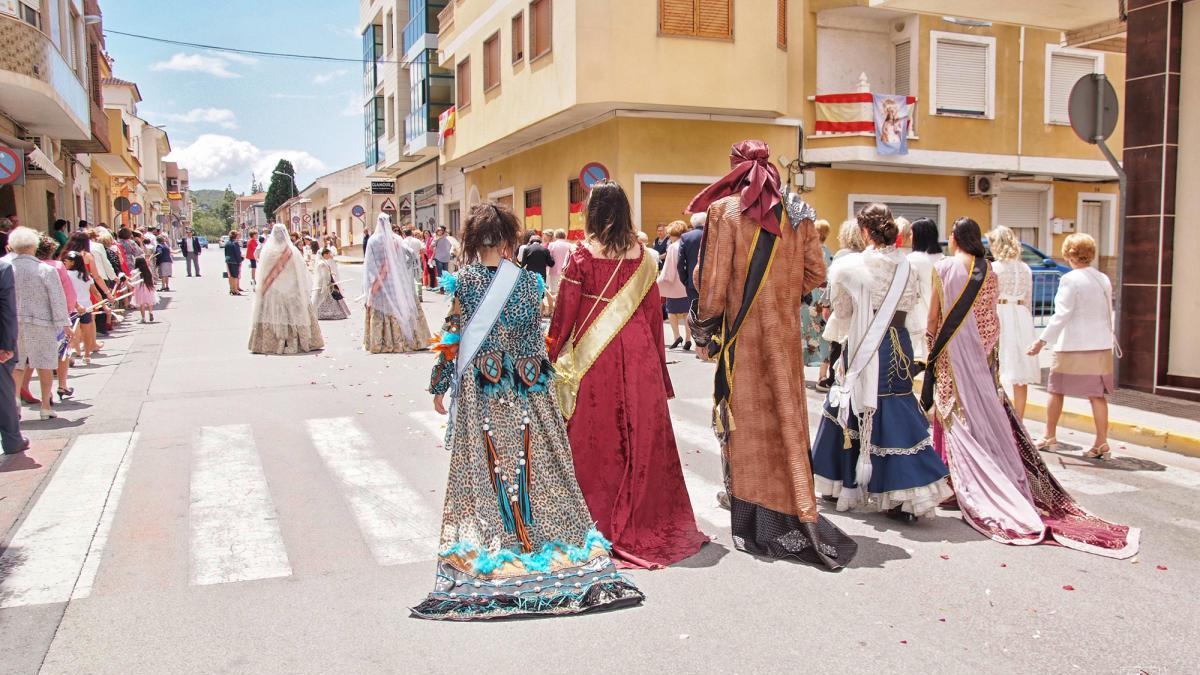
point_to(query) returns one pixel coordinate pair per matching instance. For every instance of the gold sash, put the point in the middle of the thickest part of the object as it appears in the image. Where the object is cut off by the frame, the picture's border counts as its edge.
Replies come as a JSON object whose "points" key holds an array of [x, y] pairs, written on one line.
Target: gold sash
{"points": [[579, 354]]}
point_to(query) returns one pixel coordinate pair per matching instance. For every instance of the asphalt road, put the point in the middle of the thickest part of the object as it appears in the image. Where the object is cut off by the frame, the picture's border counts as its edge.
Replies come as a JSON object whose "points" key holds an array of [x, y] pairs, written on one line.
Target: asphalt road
{"points": [[199, 509]]}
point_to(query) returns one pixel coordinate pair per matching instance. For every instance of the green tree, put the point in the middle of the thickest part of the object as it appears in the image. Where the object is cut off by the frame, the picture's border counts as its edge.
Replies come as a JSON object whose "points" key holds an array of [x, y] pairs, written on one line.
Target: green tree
{"points": [[283, 187], [225, 208]]}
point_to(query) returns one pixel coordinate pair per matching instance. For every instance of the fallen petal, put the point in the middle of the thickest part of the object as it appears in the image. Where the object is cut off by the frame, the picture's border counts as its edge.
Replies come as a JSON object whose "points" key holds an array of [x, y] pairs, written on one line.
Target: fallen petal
{"points": [[1068, 587], [1161, 567]]}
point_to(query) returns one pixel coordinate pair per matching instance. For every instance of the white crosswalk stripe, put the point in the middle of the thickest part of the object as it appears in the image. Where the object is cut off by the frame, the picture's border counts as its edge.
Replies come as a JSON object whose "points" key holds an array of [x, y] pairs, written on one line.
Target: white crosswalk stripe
{"points": [[398, 525], [235, 532], [53, 555], [1089, 484]]}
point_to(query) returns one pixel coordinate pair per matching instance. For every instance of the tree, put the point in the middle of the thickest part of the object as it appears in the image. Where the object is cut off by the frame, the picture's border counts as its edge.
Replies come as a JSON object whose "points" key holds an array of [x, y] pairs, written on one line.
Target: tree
{"points": [[225, 209], [283, 187]]}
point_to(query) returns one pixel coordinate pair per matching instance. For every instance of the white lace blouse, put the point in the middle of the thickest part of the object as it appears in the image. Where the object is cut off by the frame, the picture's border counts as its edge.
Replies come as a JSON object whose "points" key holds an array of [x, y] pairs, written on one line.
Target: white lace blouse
{"points": [[1015, 281], [880, 264]]}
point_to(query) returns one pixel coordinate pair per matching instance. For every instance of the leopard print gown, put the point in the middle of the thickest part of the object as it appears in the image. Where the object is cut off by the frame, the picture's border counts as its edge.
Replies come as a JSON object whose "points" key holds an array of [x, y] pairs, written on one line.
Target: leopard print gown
{"points": [[517, 538]]}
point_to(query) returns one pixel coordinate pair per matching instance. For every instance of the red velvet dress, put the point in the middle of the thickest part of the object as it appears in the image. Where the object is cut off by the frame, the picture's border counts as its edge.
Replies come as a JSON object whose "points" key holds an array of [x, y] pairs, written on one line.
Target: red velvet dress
{"points": [[621, 436]]}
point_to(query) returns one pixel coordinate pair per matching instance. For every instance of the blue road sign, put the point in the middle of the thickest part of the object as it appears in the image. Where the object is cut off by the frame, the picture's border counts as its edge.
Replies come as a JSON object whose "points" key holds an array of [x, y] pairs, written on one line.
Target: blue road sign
{"points": [[11, 165]]}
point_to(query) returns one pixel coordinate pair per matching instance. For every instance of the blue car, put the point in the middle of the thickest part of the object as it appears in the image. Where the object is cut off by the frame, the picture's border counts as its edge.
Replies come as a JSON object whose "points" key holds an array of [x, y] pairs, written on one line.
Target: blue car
{"points": [[203, 241], [1046, 273]]}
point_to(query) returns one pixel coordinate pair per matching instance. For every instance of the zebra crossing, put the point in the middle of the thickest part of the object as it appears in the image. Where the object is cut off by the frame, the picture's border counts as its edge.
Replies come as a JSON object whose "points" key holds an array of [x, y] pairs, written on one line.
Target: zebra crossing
{"points": [[233, 526]]}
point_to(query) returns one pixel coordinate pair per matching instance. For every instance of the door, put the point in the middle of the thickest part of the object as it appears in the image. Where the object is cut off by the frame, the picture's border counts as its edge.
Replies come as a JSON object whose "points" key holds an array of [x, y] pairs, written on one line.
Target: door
{"points": [[1092, 221], [506, 200]]}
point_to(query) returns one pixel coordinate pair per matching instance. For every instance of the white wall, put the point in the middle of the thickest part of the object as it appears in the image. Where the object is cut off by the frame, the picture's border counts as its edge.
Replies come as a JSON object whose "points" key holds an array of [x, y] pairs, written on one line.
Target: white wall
{"points": [[848, 45]]}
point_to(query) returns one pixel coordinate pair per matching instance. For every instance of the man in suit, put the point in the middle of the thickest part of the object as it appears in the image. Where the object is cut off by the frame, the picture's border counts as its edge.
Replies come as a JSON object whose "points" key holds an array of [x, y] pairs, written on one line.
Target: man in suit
{"points": [[10, 416], [189, 246], [689, 254], [537, 257]]}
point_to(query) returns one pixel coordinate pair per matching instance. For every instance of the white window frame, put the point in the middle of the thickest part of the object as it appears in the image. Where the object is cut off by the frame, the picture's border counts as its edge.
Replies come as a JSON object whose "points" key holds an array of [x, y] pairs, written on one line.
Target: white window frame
{"points": [[936, 36], [1051, 48], [901, 199], [1045, 235], [1111, 212]]}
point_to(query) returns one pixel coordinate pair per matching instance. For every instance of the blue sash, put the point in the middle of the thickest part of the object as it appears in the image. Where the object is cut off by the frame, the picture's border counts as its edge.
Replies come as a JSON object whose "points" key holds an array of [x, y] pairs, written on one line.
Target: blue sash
{"points": [[480, 326]]}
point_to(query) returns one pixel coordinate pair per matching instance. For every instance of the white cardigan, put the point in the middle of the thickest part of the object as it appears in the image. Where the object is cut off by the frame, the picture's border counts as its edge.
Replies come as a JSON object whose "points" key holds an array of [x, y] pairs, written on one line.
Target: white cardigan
{"points": [[1082, 318]]}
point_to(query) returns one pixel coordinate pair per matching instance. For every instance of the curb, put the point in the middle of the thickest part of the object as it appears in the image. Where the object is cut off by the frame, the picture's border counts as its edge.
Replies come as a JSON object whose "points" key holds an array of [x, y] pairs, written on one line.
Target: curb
{"points": [[1123, 431]]}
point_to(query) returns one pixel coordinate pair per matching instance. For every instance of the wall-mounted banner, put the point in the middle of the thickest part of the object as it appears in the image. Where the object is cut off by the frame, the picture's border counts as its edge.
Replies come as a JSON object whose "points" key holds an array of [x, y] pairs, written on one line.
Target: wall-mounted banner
{"points": [[891, 124]]}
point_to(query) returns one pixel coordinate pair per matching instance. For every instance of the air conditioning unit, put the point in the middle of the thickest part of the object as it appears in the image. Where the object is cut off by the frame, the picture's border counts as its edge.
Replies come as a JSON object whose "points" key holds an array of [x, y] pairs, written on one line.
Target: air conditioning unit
{"points": [[982, 184]]}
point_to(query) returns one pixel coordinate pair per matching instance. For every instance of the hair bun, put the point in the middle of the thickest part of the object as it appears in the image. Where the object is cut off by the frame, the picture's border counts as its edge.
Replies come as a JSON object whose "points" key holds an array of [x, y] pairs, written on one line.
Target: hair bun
{"points": [[877, 219]]}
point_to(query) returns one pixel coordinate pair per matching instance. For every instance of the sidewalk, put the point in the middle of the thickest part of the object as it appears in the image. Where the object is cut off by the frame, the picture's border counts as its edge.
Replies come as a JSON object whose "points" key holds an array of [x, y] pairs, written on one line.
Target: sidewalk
{"points": [[1133, 417]]}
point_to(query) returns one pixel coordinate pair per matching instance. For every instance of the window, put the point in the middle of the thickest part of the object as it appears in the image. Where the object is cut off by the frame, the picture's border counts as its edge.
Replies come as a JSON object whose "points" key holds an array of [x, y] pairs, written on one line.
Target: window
{"points": [[30, 14], [963, 80], [454, 216], [390, 115], [909, 210], [491, 62], [1021, 211], [518, 37], [463, 82], [781, 24], [533, 198], [697, 18], [902, 62], [575, 192], [539, 28], [1065, 67]]}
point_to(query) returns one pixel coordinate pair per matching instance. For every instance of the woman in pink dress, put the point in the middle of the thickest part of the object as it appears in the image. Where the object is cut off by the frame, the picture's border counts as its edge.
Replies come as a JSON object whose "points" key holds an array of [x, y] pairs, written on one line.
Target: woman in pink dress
{"points": [[1002, 486], [607, 340]]}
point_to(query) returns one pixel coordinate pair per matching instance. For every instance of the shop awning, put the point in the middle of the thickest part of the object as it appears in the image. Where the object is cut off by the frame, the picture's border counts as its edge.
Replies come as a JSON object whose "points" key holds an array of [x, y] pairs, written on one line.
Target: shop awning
{"points": [[43, 163]]}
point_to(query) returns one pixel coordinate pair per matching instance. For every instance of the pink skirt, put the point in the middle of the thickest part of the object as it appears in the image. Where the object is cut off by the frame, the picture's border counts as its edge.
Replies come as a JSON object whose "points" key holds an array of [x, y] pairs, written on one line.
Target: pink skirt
{"points": [[1084, 374], [144, 295]]}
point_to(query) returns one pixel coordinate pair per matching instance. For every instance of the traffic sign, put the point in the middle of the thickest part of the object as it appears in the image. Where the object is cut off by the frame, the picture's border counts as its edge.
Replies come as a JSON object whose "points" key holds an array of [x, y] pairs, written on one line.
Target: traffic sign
{"points": [[388, 205], [295, 220], [12, 166], [1093, 108], [307, 219], [358, 211], [135, 209], [592, 173], [121, 204]]}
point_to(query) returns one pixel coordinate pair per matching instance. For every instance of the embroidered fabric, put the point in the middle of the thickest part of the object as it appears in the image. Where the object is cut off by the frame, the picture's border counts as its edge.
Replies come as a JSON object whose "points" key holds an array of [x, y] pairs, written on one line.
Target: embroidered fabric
{"points": [[880, 263], [1015, 280]]}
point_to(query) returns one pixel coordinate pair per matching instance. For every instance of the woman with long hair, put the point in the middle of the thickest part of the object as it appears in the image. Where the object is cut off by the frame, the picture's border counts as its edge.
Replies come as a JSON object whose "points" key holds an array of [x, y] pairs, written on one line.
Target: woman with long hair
{"points": [[284, 319], [672, 289], [144, 297], [606, 339], [1001, 484], [1018, 369], [81, 285], [873, 446], [516, 538], [394, 321], [926, 251], [80, 242]]}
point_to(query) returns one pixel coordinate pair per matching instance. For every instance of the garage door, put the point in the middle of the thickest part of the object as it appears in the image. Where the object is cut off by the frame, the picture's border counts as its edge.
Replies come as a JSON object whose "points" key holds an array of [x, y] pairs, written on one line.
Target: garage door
{"points": [[909, 211], [664, 202]]}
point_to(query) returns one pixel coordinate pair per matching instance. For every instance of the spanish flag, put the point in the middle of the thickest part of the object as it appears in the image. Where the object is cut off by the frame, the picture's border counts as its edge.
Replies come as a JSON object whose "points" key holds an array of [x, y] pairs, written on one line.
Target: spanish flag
{"points": [[575, 222], [446, 123]]}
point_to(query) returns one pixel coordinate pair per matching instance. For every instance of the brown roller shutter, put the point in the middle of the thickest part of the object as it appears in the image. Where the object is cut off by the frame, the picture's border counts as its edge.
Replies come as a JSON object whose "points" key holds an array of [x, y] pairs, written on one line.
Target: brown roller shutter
{"points": [[714, 18]]}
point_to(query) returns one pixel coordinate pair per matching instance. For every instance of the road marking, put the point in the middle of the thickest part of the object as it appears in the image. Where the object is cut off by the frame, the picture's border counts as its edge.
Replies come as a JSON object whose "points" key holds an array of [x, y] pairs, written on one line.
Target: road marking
{"points": [[234, 528], [1088, 484], [1175, 476], [62, 538], [395, 520], [91, 564]]}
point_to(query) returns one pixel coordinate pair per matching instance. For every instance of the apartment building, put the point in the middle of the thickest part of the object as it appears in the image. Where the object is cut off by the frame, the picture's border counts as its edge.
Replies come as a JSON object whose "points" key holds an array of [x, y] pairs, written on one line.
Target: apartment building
{"points": [[50, 109], [405, 90], [248, 212], [331, 200], [656, 92]]}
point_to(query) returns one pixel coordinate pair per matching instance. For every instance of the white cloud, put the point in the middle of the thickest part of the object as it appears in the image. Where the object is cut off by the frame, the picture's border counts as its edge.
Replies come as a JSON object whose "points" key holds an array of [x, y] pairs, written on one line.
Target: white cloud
{"points": [[216, 159], [353, 107], [196, 63], [325, 78], [221, 117], [297, 97]]}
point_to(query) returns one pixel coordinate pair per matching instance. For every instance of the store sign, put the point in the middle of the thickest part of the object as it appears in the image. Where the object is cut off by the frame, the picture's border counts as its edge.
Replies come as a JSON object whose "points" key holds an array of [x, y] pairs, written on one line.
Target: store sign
{"points": [[383, 187]]}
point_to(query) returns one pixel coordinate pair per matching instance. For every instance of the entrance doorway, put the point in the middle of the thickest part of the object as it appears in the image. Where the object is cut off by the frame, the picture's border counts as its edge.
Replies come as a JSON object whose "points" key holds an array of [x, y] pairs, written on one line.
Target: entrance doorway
{"points": [[1095, 218]]}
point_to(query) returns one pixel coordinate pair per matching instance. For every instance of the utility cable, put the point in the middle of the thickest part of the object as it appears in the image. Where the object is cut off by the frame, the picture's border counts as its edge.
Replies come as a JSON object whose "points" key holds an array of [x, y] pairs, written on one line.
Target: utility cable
{"points": [[249, 52]]}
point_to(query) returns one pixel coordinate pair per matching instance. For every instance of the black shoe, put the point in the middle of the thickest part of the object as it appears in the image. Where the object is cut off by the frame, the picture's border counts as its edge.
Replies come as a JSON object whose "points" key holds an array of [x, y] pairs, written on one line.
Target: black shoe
{"points": [[899, 514], [23, 448], [829, 499], [687, 346], [676, 343]]}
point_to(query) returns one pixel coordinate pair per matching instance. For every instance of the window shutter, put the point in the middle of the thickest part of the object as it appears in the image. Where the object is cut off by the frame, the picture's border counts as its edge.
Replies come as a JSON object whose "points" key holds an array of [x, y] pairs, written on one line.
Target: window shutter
{"points": [[463, 81], [714, 18], [903, 61], [781, 24], [677, 17], [909, 211], [539, 28], [491, 61], [1021, 212], [962, 77], [1065, 71]]}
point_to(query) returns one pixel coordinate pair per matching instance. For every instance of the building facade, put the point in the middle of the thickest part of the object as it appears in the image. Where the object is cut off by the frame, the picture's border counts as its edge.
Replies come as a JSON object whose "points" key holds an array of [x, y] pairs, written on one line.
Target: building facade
{"points": [[545, 87], [406, 90], [248, 213], [329, 202]]}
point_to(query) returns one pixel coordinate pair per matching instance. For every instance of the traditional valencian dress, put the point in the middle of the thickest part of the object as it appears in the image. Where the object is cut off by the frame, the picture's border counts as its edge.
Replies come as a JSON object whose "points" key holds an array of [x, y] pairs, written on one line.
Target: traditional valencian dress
{"points": [[873, 447], [393, 321], [755, 267], [284, 319], [517, 538], [1003, 487], [606, 338], [326, 296]]}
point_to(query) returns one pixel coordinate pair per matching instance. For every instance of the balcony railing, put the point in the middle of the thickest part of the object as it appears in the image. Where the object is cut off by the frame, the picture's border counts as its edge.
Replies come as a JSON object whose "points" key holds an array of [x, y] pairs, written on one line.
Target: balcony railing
{"points": [[415, 30], [446, 20], [421, 122], [27, 51]]}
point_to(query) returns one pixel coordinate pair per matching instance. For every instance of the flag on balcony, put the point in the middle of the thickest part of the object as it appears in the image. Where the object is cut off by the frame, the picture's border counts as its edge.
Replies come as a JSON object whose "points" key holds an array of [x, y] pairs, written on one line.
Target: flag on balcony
{"points": [[446, 122], [891, 124], [844, 114], [575, 222], [533, 219]]}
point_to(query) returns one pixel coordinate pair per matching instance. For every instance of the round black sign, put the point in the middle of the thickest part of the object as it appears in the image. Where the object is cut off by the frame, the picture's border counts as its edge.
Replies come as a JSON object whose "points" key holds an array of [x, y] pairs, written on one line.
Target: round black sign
{"points": [[121, 204]]}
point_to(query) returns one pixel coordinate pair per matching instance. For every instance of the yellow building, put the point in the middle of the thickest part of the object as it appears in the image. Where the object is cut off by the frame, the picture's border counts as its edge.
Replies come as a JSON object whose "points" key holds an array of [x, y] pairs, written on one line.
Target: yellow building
{"points": [[657, 92]]}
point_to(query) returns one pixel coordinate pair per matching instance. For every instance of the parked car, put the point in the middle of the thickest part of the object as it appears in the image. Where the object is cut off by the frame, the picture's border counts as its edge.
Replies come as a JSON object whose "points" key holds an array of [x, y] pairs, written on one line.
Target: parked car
{"points": [[1046, 273], [203, 241], [224, 240]]}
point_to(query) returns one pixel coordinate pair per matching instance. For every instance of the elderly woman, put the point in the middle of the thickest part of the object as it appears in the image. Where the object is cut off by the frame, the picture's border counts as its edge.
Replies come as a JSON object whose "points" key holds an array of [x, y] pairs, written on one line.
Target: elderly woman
{"points": [[1082, 332], [671, 287], [41, 314]]}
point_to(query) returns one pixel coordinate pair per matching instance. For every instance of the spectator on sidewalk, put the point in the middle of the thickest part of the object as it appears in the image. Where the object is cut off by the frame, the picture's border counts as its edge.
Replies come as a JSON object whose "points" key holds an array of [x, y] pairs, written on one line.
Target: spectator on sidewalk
{"points": [[443, 254], [163, 258], [233, 262], [80, 242], [59, 232], [189, 246], [41, 313], [10, 415], [1082, 332], [689, 255], [537, 257], [252, 254], [45, 253], [414, 248]]}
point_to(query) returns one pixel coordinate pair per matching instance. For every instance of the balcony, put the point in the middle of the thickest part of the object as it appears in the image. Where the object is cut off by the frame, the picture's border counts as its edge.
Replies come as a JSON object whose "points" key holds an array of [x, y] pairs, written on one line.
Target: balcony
{"points": [[853, 113], [421, 131], [420, 33], [41, 91]]}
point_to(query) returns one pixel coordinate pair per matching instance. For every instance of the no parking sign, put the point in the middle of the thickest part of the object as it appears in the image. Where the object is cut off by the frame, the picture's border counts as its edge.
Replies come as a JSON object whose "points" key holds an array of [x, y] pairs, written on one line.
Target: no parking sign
{"points": [[12, 166]]}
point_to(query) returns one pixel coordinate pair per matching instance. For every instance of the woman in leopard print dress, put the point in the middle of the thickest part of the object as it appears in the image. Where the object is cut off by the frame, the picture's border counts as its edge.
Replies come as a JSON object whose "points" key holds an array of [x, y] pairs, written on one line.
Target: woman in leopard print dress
{"points": [[517, 538]]}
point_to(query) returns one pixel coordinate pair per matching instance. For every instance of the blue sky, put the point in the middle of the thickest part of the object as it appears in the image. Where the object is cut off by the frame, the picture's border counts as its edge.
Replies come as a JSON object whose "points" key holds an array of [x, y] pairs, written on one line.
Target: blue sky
{"points": [[229, 116]]}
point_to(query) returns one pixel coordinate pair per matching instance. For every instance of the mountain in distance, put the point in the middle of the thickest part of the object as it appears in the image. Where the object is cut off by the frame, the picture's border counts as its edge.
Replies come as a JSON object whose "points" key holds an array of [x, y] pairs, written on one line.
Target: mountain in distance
{"points": [[208, 199]]}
